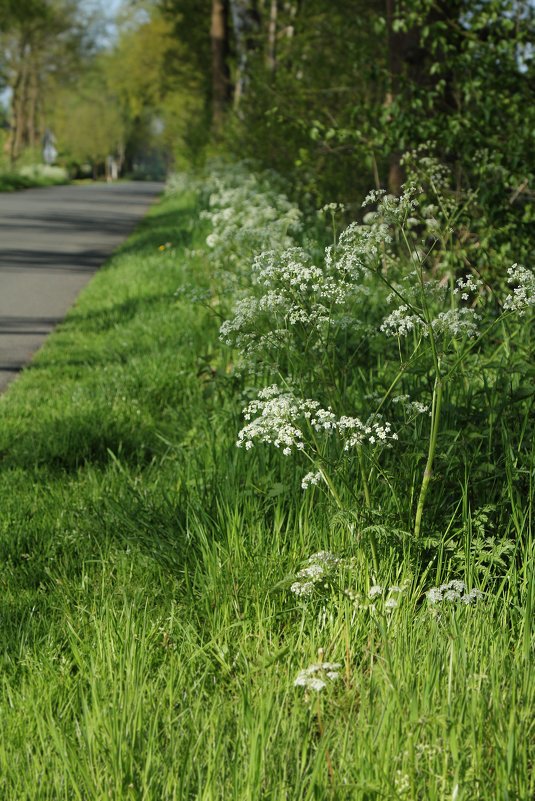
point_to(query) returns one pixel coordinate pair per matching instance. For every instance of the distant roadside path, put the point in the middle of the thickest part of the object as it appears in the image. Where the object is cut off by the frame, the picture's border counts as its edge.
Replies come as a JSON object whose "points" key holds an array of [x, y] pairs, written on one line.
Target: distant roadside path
{"points": [[51, 242]]}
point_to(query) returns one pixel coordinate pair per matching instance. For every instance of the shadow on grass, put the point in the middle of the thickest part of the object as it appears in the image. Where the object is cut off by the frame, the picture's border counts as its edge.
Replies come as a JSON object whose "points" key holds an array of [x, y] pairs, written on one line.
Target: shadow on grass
{"points": [[100, 321], [70, 442]]}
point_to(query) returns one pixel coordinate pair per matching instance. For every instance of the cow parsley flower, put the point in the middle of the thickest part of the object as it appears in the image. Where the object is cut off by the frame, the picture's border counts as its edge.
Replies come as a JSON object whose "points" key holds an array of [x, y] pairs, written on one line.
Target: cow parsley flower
{"points": [[411, 407], [400, 322], [317, 676], [277, 414], [246, 215], [302, 587], [453, 591], [281, 418], [320, 569], [311, 480], [466, 285], [523, 295], [456, 323]]}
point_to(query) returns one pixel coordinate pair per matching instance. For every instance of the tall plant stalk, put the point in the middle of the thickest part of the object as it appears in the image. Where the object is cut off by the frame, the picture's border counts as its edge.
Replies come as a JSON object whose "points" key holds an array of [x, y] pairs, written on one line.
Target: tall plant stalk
{"points": [[428, 472]]}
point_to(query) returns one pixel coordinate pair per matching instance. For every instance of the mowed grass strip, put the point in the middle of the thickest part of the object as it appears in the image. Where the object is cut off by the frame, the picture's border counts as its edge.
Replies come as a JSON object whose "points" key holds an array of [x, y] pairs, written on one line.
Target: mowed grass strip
{"points": [[150, 643]]}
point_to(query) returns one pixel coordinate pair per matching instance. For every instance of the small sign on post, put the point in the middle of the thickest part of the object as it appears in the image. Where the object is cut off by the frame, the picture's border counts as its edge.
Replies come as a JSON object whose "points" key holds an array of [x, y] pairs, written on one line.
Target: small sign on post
{"points": [[49, 150]]}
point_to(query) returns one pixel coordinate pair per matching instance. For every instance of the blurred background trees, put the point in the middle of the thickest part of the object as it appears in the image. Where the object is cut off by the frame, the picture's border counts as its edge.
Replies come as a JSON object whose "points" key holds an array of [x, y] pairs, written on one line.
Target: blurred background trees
{"points": [[42, 43], [134, 97], [330, 94]]}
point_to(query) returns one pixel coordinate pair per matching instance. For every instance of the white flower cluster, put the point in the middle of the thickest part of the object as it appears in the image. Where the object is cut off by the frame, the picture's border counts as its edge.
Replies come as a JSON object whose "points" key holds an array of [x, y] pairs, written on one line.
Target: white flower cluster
{"points": [[359, 250], [278, 412], [246, 215], [401, 322], [456, 323], [356, 432], [392, 209], [316, 677], [332, 208], [324, 570], [523, 295], [453, 591], [411, 407], [292, 291], [281, 417], [466, 286], [425, 168], [319, 568], [311, 480], [290, 269], [390, 596], [178, 183]]}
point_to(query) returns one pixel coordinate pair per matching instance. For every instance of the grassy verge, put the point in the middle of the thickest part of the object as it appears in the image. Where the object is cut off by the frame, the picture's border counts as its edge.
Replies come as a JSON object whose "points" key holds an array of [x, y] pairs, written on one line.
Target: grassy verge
{"points": [[14, 181], [150, 640]]}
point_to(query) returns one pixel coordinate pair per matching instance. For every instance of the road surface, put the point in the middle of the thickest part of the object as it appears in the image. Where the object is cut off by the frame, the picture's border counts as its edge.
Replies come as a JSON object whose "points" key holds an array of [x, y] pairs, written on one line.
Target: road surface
{"points": [[51, 242]]}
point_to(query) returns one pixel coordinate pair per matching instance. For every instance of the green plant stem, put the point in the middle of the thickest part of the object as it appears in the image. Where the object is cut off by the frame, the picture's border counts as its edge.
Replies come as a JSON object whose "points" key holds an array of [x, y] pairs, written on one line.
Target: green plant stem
{"points": [[364, 480], [321, 732], [367, 499], [435, 422]]}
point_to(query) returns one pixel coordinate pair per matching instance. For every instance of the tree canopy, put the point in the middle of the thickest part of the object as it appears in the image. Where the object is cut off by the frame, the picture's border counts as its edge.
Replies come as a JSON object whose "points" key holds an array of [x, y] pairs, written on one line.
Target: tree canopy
{"points": [[330, 94]]}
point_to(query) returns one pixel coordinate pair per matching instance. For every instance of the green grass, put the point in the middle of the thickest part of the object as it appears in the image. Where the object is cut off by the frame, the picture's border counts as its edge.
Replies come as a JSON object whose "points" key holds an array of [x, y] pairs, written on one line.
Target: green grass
{"points": [[150, 642], [14, 181]]}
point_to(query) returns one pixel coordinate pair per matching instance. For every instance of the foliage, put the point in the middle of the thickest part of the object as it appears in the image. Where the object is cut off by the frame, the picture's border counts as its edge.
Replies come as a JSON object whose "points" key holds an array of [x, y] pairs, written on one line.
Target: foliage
{"points": [[333, 106], [43, 42], [87, 120], [316, 328], [153, 645], [156, 87], [28, 177]]}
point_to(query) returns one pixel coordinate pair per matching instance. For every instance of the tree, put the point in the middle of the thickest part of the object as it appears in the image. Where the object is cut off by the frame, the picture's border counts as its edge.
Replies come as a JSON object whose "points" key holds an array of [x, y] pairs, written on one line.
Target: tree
{"points": [[87, 121], [42, 41], [332, 94], [142, 94]]}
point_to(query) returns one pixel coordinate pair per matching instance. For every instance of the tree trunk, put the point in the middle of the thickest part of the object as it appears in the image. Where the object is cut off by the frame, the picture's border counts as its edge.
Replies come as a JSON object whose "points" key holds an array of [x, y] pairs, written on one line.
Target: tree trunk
{"points": [[395, 47], [272, 37], [408, 61], [33, 103], [245, 22], [220, 73], [19, 113]]}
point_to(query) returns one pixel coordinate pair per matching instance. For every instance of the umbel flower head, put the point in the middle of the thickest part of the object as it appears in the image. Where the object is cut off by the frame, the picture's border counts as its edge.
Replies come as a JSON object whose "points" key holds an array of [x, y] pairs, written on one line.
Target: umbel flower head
{"points": [[282, 419], [453, 591], [523, 295], [317, 676]]}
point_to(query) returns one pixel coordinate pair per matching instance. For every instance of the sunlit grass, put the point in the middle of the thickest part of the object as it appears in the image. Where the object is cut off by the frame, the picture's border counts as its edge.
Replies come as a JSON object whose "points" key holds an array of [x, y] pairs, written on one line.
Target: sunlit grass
{"points": [[151, 642]]}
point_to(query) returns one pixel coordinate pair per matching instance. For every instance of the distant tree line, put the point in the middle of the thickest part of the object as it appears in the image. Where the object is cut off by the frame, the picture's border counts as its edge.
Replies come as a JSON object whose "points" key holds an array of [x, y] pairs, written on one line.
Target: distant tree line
{"points": [[333, 93], [135, 98], [329, 93]]}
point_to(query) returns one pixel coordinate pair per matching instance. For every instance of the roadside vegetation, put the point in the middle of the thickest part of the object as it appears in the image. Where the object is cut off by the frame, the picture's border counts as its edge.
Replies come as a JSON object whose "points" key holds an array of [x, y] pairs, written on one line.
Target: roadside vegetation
{"points": [[40, 175], [185, 618], [267, 492]]}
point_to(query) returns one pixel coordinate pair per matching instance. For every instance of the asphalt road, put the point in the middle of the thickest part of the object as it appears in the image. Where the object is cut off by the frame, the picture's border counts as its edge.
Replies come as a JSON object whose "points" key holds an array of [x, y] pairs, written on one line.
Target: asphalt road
{"points": [[51, 242]]}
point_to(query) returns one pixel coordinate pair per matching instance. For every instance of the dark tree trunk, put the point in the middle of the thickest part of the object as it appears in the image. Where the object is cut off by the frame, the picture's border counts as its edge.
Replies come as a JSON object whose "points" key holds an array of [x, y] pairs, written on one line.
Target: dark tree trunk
{"points": [[408, 62], [272, 37], [33, 106], [398, 45], [220, 72]]}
